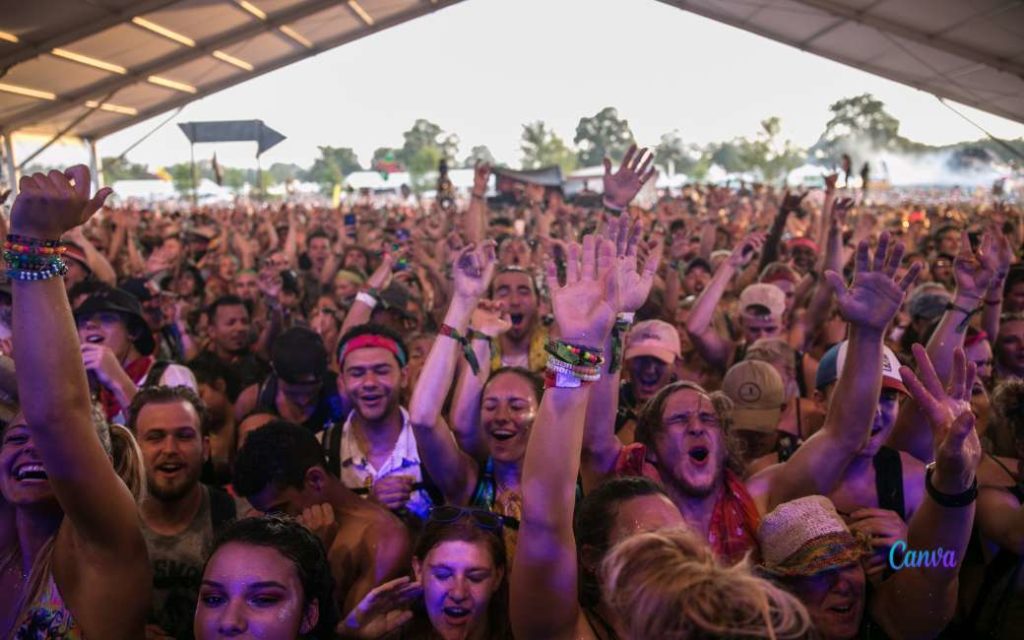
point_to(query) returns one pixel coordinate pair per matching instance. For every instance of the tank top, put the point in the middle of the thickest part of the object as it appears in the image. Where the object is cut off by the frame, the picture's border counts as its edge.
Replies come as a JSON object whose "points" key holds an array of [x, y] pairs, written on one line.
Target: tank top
{"points": [[48, 617], [328, 409], [889, 481]]}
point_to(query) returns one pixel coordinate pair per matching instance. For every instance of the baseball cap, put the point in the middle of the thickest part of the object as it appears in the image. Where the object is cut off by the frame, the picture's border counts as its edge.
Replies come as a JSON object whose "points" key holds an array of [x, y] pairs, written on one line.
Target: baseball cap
{"points": [[757, 395], [928, 302], [765, 295], [128, 307], [655, 338], [832, 363]]}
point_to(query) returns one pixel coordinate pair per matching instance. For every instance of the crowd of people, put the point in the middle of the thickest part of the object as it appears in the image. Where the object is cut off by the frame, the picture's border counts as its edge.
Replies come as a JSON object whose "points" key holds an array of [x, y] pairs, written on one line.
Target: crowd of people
{"points": [[741, 413]]}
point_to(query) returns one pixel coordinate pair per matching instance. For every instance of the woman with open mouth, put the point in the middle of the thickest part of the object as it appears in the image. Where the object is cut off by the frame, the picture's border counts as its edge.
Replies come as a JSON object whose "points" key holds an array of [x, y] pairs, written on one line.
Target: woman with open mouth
{"points": [[78, 546], [481, 463]]}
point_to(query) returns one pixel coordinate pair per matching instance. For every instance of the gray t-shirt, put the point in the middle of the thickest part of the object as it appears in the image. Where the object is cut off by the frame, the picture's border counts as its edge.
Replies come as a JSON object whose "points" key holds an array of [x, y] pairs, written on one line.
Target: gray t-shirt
{"points": [[178, 570]]}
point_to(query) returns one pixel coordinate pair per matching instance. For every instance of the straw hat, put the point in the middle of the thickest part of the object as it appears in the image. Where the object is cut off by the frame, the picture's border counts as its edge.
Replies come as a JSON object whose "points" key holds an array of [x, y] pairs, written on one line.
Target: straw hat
{"points": [[806, 536]]}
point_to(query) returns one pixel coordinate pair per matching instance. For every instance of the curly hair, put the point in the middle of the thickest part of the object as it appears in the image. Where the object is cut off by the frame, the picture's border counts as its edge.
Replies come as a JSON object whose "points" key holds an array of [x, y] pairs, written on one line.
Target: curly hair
{"points": [[303, 549], [649, 420], [667, 584], [1008, 407]]}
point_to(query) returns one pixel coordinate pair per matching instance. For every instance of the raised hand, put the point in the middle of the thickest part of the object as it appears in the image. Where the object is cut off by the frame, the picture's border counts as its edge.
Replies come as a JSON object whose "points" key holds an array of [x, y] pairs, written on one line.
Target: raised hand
{"points": [[948, 411], [841, 210], [481, 174], [874, 297], [381, 611], [830, 181], [744, 252], [381, 276], [473, 270], [791, 201], [996, 255], [974, 270], [490, 318], [584, 305], [49, 205], [622, 186], [633, 287]]}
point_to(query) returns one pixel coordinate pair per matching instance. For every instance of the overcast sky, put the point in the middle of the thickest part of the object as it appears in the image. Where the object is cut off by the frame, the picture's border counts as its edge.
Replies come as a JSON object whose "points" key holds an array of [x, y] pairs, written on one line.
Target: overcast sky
{"points": [[483, 68]]}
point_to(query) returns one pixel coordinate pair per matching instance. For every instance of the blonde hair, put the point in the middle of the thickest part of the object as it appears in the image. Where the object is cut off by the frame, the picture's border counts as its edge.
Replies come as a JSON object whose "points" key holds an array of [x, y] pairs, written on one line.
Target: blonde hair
{"points": [[667, 584], [127, 458]]}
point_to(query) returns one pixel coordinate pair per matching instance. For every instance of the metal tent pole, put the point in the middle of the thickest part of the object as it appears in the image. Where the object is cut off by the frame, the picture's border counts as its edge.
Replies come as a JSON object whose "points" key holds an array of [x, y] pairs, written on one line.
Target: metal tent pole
{"points": [[95, 165], [10, 166]]}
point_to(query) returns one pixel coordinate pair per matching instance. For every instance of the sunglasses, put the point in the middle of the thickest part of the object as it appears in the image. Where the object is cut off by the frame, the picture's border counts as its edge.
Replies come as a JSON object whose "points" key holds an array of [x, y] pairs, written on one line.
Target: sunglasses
{"points": [[483, 519]]}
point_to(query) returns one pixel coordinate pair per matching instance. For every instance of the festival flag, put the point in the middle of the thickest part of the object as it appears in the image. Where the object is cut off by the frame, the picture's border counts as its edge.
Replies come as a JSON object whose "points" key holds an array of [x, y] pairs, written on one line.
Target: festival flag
{"points": [[218, 176], [163, 174], [336, 195]]}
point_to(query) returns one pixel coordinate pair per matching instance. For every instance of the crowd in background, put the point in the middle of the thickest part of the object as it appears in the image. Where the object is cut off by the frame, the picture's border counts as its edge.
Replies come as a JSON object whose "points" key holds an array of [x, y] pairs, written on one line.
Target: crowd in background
{"points": [[742, 412]]}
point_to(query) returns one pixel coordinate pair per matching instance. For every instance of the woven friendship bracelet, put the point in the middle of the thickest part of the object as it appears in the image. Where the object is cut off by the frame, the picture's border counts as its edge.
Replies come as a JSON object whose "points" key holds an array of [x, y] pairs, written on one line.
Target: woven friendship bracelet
{"points": [[467, 350]]}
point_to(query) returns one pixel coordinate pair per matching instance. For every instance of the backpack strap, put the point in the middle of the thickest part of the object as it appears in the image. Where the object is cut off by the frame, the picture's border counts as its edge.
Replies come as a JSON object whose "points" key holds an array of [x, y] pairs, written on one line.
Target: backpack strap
{"points": [[155, 373]]}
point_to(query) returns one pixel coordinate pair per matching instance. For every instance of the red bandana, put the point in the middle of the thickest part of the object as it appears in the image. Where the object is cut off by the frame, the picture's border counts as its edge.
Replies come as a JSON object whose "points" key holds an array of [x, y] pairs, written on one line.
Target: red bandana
{"points": [[371, 340], [136, 370]]}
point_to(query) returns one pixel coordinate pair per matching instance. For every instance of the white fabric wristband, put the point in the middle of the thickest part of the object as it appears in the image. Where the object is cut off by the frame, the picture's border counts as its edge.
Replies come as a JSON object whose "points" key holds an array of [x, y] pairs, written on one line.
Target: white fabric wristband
{"points": [[366, 299]]}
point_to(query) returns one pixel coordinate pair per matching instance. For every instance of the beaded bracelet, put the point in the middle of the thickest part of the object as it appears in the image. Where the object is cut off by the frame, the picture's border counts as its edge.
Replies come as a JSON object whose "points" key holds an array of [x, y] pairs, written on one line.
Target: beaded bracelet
{"points": [[467, 350], [56, 268], [586, 374], [574, 354], [34, 249], [35, 242]]}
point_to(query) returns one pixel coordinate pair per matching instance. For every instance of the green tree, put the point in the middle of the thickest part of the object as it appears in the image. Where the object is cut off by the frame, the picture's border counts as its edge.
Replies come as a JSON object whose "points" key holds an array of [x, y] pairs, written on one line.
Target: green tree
{"points": [[729, 155], [283, 172], [768, 154], [479, 154], [672, 153], [424, 134], [857, 123], [333, 165], [543, 147], [423, 168], [115, 169], [604, 134]]}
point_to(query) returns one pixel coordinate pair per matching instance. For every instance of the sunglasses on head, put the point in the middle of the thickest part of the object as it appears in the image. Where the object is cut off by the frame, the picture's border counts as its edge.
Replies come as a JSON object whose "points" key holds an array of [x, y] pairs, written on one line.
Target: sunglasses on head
{"points": [[483, 519]]}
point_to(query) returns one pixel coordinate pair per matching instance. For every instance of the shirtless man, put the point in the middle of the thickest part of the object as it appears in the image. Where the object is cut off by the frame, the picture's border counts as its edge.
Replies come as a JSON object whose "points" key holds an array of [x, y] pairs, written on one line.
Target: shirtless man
{"points": [[281, 468]]}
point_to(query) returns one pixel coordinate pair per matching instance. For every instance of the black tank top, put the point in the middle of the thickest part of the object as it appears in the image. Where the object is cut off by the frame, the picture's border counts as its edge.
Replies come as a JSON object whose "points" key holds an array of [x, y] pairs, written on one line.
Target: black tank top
{"points": [[889, 481]]}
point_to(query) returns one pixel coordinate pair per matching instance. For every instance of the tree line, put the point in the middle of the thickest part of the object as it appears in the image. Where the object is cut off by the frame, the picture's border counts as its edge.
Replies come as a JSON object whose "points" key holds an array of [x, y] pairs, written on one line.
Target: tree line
{"points": [[856, 123]]}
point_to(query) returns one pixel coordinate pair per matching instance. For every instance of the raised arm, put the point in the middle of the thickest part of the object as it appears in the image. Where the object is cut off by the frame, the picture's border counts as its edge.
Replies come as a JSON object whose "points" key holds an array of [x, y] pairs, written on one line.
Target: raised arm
{"points": [[918, 602], [974, 271], [600, 445], [868, 306], [544, 586], [364, 304], [711, 346], [475, 225], [489, 320], [52, 383], [451, 467]]}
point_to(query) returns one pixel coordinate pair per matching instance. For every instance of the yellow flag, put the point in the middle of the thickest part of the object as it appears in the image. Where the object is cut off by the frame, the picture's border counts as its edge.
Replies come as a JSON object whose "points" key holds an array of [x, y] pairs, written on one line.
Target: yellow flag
{"points": [[163, 174], [336, 195]]}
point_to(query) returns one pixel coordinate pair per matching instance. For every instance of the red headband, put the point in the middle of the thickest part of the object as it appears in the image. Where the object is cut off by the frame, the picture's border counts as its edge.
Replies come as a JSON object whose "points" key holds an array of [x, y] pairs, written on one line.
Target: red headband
{"points": [[369, 340]]}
